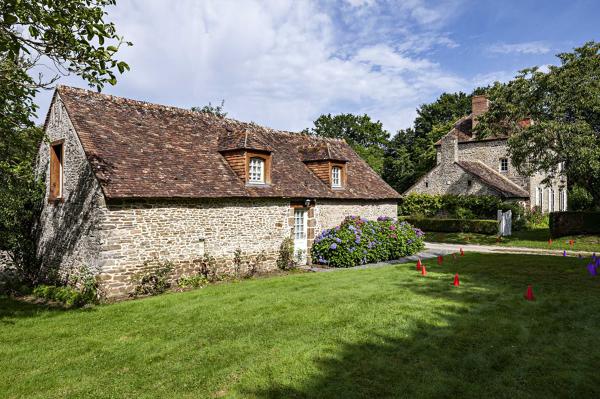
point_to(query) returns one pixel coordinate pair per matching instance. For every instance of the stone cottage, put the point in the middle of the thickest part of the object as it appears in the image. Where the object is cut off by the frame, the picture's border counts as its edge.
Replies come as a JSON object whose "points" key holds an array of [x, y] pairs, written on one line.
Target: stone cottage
{"points": [[130, 183], [468, 165]]}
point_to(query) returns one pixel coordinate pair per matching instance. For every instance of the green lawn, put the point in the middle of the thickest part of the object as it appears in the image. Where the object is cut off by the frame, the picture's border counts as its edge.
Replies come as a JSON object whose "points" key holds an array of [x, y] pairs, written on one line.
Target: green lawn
{"points": [[386, 332], [537, 238]]}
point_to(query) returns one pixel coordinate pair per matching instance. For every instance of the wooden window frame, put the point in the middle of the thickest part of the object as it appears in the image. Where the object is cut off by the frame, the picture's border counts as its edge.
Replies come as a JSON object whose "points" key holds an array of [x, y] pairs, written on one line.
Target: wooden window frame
{"points": [[266, 157], [56, 194]]}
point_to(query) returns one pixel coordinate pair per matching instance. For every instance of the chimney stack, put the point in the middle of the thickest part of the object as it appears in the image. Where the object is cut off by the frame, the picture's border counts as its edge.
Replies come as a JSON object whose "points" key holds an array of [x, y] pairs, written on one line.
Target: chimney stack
{"points": [[479, 106]]}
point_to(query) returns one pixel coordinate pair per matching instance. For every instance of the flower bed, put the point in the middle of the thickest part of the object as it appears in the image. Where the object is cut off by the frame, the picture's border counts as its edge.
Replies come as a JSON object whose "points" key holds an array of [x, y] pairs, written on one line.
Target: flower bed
{"points": [[358, 241]]}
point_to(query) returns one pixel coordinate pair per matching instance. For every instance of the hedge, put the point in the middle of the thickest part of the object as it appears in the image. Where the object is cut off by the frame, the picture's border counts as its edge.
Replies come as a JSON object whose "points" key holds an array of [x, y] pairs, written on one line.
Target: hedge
{"points": [[457, 206], [489, 227], [571, 222]]}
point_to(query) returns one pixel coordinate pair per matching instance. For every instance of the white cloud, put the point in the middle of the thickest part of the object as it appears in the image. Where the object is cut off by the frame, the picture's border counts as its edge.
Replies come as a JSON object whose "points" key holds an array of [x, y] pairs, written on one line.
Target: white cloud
{"points": [[536, 47], [277, 63]]}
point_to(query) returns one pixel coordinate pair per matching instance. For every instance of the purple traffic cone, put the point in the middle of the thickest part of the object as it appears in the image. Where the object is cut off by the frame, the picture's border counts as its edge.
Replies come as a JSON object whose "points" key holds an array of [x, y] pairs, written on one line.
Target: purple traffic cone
{"points": [[592, 269], [565, 253]]}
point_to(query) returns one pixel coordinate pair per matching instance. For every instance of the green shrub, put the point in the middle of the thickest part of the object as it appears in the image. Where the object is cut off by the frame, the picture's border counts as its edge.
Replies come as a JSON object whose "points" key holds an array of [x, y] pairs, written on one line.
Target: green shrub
{"points": [[194, 281], [574, 223], [285, 259], [580, 199], [68, 296], [455, 225], [456, 206], [154, 281], [358, 241]]}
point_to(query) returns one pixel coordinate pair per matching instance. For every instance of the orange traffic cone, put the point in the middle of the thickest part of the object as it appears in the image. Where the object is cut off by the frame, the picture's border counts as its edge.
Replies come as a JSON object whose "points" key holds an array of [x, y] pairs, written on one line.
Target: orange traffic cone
{"points": [[456, 280], [419, 264], [462, 253], [440, 259], [550, 242], [529, 294], [423, 271]]}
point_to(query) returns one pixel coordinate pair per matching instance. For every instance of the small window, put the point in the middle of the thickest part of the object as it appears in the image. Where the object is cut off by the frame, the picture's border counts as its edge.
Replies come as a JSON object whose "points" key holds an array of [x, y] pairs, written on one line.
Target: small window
{"points": [[56, 171], [336, 176], [256, 170], [503, 164], [426, 184], [469, 183]]}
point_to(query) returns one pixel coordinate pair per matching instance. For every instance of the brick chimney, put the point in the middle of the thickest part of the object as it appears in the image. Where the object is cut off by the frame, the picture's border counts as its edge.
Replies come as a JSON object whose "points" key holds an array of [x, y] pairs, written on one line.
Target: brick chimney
{"points": [[479, 106]]}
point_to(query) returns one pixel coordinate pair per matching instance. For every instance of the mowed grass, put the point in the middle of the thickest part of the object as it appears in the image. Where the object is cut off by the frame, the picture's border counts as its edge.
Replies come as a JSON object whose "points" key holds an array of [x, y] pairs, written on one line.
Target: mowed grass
{"points": [[537, 238], [385, 332]]}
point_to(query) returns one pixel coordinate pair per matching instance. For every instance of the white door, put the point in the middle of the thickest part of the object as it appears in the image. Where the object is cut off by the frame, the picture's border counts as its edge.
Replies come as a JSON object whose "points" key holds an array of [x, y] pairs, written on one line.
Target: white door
{"points": [[300, 241]]}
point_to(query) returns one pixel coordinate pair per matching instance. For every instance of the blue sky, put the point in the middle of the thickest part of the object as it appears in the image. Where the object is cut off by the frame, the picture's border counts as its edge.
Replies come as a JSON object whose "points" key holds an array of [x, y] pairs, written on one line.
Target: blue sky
{"points": [[282, 63]]}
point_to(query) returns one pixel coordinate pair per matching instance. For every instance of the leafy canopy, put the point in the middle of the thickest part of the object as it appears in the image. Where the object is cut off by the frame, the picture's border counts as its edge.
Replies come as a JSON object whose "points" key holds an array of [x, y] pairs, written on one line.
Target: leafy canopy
{"points": [[366, 137], [216, 110], [411, 153], [564, 104], [73, 37]]}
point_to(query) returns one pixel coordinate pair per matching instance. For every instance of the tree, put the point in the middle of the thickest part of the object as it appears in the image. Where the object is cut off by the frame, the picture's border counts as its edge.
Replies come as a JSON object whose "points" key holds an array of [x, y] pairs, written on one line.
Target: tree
{"points": [[216, 110], [411, 153], [74, 38], [366, 137], [564, 105]]}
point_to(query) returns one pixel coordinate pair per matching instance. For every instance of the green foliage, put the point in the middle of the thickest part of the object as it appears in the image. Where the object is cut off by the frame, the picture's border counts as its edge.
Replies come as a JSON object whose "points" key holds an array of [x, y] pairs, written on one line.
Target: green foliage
{"points": [[455, 225], [155, 280], [580, 199], [74, 37], [571, 223], [411, 152], [358, 241], [366, 137], [564, 104], [285, 259], [216, 110], [69, 296], [457, 206], [195, 281]]}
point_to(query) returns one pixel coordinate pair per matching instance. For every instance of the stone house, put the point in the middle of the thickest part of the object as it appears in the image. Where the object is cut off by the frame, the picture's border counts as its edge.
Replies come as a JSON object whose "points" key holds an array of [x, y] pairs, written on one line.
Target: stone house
{"points": [[468, 165], [129, 183]]}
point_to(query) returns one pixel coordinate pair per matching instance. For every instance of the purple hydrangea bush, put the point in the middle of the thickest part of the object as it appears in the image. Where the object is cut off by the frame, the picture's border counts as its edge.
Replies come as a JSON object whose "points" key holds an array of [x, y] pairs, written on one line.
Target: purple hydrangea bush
{"points": [[358, 241]]}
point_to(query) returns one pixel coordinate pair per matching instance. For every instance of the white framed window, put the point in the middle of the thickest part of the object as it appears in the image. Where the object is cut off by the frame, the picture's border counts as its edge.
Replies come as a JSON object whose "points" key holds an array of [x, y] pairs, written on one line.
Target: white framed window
{"points": [[503, 164], [539, 198], [336, 176], [299, 224], [562, 199], [551, 199], [256, 170]]}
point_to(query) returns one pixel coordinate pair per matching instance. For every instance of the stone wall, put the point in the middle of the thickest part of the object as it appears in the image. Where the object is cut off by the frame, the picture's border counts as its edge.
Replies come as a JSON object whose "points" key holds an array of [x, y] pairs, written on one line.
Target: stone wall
{"points": [[490, 152], [182, 232], [450, 179], [67, 234]]}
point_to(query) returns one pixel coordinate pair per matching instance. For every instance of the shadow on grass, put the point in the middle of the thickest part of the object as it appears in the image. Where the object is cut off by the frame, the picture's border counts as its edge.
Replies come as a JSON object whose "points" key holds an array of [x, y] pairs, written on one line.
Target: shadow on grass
{"points": [[12, 310], [484, 340]]}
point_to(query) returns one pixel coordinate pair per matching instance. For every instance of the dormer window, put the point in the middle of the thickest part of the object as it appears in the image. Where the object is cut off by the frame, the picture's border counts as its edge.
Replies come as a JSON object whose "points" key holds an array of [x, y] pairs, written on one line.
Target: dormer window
{"points": [[336, 177], [256, 170]]}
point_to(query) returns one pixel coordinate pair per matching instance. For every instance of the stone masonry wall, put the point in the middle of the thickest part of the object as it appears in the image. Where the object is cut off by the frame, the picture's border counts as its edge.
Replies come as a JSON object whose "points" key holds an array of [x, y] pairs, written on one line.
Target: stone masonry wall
{"points": [[490, 152], [182, 232], [450, 179], [67, 234]]}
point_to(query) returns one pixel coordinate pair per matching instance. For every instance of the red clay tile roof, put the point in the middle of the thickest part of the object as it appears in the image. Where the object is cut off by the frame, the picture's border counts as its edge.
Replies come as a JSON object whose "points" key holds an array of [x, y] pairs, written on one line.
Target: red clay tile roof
{"points": [[493, 179], [143, 150], [463, 129]]}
